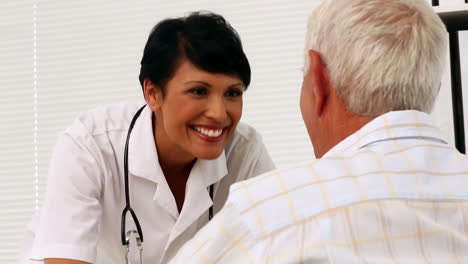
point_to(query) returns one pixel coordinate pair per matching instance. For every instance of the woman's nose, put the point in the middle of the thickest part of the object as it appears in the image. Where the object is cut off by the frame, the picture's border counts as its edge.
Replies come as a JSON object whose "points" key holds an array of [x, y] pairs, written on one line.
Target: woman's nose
{"points": [[216, 109]]}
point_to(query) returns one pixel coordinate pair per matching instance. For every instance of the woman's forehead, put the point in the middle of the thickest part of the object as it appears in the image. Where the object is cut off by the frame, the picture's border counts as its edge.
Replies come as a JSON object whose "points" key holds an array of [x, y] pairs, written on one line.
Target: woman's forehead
{"points": [[187, 72]]}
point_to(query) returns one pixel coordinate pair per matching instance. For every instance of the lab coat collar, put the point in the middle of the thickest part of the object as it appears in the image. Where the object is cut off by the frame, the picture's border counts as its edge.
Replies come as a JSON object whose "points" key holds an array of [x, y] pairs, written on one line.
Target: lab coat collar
{"points": [[144, 163], [207, 172], [197, 198], [142, 155]]}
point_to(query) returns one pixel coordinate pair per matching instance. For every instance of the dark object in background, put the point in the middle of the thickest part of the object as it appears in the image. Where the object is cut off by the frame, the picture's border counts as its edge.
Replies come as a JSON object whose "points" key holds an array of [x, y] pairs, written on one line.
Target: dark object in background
{"points": [[455, 21]]}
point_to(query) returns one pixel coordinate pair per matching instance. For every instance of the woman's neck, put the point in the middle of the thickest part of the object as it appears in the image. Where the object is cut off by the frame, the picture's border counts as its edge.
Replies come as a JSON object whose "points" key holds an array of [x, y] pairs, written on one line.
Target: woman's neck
{"points": [[172, 159]]}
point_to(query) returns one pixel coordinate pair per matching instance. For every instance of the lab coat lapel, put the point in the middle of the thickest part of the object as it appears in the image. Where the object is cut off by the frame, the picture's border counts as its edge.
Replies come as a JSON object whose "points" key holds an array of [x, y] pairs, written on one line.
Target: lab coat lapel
{"points": [[143, 162], [197, 198]]}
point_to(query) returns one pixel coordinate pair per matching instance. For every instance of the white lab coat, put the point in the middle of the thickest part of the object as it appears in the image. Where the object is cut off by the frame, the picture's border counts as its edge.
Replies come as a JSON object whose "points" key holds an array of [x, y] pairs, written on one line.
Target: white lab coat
{"points": [[80, 218]]}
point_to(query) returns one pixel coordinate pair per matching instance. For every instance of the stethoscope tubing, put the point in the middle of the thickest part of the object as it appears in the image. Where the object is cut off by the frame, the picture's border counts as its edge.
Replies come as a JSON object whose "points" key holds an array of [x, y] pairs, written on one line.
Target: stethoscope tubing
{"points": [[127, 191], [128, 207]]}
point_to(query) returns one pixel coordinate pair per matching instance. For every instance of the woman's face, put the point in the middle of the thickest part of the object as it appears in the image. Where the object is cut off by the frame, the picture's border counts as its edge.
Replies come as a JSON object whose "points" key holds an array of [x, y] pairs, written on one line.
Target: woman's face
{"points": [[198, 114]]}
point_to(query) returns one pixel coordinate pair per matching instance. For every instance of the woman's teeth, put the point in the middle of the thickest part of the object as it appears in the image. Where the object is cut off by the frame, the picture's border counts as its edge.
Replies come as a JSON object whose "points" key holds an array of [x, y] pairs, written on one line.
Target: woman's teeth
{"points": [[209, 132]]}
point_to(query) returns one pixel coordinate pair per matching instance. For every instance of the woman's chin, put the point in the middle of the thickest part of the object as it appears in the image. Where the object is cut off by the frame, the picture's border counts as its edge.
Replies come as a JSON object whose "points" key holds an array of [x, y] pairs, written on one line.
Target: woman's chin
{"points": [[209, 155]]}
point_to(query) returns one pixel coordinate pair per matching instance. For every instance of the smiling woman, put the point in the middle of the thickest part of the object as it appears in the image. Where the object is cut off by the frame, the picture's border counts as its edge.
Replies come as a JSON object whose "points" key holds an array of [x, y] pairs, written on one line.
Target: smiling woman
{"points": [[198, 114], [185, 150], [195, 118]]}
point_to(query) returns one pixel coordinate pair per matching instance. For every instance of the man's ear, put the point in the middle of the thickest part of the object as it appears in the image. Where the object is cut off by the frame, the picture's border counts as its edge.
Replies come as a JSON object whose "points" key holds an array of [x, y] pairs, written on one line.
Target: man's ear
{"points": [[153, 95], [320, 81]]}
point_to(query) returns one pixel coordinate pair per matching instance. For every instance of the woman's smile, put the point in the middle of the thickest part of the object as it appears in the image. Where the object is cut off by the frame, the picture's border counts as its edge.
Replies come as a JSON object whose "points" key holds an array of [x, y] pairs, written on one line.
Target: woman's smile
{"points": [[209, 133], [198, 114]]}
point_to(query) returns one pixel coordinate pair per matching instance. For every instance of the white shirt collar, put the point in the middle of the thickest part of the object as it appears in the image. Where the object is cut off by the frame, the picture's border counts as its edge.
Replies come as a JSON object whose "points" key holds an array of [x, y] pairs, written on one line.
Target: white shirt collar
{"points": [[391, 125]]}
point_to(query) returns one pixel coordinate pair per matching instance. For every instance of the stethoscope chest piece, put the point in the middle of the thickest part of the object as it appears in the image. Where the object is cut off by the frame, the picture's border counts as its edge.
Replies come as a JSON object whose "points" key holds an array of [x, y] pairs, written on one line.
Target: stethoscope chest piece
{"points": [[133, 243]]}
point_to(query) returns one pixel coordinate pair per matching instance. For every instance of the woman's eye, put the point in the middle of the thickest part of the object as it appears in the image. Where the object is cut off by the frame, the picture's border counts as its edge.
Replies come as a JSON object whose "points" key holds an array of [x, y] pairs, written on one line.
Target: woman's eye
{"points": [[198, 91], [234, 93]]}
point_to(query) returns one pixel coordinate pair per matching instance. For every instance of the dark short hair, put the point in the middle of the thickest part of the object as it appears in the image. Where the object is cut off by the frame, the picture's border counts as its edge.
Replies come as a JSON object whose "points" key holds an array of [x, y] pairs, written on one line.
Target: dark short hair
{"points": [[205, 39]]}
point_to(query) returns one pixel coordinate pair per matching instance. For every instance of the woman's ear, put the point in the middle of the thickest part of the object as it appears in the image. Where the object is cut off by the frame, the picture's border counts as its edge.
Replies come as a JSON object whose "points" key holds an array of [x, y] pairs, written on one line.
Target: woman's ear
{"points": [[153, 95]]}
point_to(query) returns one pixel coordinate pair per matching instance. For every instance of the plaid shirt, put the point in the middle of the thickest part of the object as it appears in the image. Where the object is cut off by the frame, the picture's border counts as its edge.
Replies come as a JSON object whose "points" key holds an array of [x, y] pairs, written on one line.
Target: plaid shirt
{"points": [[393, 192]]}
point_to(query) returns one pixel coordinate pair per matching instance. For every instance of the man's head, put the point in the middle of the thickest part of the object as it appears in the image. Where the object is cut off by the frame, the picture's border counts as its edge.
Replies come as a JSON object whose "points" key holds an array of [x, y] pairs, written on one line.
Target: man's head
{"points": [[365, 58]]}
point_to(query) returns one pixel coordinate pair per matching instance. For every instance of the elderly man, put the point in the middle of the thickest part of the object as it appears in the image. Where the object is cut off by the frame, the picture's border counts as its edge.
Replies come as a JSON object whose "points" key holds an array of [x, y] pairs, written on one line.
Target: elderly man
{"points": [[387, 188]]}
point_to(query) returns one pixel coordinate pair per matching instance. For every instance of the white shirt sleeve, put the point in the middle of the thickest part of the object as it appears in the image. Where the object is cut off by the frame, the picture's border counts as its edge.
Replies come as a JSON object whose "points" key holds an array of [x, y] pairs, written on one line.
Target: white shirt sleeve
{"points": [[70, 216]]}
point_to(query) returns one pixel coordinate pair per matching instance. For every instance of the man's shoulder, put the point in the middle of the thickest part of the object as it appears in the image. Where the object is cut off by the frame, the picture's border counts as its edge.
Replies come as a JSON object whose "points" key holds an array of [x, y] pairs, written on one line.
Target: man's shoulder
{"points": [[280, 198], [265, 203]]}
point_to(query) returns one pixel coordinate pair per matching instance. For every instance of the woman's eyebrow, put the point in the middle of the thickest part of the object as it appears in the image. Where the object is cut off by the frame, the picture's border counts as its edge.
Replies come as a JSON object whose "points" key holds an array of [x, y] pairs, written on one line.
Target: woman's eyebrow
{"points": [[209, 85], [237, 84], [199, 82]]}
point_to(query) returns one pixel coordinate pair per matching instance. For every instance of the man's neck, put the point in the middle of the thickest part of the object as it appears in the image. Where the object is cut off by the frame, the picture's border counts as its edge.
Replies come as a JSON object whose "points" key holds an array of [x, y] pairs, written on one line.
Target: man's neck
{"points": [[338, 124]]}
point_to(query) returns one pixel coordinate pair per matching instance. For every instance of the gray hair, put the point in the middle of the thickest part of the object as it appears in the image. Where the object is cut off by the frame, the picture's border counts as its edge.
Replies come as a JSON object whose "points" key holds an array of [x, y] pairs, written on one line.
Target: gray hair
{"points": [[382, 55]]}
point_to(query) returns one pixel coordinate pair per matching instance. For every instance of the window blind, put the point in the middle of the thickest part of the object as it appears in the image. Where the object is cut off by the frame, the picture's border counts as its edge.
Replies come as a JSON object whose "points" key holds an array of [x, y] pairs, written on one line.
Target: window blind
{"points": [[17, 160]]}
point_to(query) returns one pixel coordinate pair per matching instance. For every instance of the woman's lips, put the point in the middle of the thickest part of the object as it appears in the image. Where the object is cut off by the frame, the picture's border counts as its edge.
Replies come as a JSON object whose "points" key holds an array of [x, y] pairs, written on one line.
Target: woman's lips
{"points": [[209, 133]]}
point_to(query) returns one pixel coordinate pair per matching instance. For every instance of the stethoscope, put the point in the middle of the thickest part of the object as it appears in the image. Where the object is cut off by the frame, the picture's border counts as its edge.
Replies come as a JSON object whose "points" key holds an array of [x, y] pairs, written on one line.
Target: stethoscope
{"points": [[138, 234]]}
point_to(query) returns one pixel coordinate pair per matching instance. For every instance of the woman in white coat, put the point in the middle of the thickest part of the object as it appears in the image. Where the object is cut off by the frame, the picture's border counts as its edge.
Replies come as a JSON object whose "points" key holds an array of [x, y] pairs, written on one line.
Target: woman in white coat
{"points": [[185, 150]]}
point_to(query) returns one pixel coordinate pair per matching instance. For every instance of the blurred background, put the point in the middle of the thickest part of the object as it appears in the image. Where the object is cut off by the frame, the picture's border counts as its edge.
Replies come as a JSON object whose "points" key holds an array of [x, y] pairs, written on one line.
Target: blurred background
{"points": [[59, 58]]}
